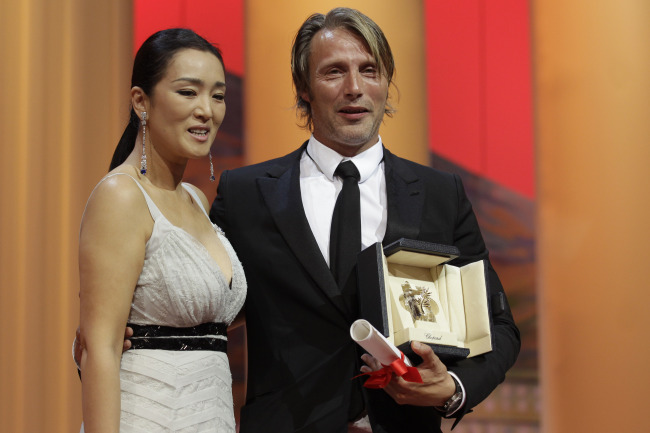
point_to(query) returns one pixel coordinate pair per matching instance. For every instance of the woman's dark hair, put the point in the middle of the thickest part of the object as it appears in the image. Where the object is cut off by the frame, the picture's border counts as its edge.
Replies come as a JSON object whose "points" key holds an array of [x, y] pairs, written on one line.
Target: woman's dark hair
{"points": [[149, 67]]}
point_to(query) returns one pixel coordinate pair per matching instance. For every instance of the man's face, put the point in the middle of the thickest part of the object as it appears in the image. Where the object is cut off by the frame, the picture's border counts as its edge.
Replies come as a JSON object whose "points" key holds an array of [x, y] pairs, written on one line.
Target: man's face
{"points": [[348, 94]]}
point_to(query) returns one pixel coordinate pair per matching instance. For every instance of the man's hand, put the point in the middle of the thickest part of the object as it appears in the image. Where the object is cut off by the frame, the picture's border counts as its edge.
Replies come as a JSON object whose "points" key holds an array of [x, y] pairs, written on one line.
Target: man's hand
{"points": [[78, 347], [437, 385]]}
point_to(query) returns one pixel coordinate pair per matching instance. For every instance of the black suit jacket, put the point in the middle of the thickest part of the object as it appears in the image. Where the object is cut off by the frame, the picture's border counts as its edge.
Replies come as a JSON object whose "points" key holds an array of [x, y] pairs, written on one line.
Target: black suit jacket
{"points": [[300, 355]]}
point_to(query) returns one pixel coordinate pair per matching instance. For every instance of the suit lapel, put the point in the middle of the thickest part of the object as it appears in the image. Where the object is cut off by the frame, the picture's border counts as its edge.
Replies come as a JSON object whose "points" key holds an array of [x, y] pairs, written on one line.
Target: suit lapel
{"points": [[405, 200], [281, 192]]}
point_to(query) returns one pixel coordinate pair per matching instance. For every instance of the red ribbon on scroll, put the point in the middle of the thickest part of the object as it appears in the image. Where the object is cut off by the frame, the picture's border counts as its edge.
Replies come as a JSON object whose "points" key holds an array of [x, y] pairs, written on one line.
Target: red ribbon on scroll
{"points": [[380, 378]]}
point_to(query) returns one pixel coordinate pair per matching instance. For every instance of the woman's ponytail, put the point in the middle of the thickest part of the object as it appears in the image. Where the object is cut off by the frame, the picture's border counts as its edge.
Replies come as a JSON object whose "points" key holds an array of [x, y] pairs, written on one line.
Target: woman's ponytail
{"points": [[127, 142]]}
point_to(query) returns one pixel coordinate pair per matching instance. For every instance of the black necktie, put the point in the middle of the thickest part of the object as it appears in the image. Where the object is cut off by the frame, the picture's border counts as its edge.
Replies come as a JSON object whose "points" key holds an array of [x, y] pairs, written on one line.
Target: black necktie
{"points": [[345, 235], [345, 244]]}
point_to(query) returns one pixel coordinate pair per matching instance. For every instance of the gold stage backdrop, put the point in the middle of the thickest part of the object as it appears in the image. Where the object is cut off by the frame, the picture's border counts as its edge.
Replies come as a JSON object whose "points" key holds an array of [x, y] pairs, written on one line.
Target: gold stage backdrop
{"points": [[65, 73], [65, 65], [593, 147]]}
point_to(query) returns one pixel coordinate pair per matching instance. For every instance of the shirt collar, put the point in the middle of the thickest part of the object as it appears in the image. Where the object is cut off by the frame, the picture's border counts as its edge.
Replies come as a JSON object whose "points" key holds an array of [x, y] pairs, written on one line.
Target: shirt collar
{"points": [[327, 159]]}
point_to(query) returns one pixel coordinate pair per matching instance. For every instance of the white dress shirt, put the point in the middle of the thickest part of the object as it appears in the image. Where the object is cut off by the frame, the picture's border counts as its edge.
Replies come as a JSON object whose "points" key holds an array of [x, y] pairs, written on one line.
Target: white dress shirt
{"points": [[319, 189]]}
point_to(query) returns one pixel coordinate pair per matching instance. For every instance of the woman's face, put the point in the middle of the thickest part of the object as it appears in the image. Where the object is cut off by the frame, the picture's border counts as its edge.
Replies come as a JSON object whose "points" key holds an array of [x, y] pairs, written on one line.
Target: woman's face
{"points": [[187, 106]]}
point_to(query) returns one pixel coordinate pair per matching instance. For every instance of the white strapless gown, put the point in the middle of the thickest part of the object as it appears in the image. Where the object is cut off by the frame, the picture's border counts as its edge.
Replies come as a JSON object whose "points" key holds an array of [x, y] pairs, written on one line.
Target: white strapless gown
{"points": [[180, 286]]}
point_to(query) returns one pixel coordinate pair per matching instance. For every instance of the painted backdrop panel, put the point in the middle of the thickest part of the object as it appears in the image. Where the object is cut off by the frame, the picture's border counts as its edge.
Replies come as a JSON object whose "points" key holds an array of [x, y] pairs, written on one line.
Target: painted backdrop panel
{"points": [[478, 56]]}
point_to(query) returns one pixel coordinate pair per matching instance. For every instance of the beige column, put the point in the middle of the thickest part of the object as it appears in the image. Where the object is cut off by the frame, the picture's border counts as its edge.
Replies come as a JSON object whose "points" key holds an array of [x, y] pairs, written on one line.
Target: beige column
{"points": [[592, 69], [64, 81], [269, 115]]}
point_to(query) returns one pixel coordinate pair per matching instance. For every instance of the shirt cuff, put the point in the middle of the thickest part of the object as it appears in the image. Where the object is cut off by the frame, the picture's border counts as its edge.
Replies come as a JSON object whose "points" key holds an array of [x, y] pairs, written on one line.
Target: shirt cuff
{"points": [[462, 388]]}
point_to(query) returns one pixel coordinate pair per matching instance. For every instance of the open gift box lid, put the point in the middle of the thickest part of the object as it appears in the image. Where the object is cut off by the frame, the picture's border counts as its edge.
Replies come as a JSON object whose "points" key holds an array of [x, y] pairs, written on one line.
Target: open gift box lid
{"points": [[408, 291]]}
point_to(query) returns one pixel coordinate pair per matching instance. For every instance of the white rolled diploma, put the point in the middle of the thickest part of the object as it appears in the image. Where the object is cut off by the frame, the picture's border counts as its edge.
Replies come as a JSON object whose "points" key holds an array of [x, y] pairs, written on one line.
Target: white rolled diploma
{"points": [[375, 343]]}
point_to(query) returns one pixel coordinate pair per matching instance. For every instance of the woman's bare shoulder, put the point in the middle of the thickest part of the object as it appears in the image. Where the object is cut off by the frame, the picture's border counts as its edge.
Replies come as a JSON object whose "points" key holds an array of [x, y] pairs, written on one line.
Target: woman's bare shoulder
{"points": [[117, 195]]}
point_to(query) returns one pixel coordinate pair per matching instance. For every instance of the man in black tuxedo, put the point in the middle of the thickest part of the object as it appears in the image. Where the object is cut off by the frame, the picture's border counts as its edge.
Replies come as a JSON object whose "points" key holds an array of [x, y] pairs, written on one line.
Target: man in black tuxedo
{"points": [[277, 215]]}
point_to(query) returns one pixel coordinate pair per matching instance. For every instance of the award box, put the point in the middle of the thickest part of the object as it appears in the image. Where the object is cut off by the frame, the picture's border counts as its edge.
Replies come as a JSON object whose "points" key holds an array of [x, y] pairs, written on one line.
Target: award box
{"points": [[408, 291]]}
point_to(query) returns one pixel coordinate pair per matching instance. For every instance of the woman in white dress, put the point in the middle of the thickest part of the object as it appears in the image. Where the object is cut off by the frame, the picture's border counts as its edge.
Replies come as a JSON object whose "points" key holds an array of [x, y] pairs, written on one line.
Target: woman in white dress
{"points": [[149, 257]]}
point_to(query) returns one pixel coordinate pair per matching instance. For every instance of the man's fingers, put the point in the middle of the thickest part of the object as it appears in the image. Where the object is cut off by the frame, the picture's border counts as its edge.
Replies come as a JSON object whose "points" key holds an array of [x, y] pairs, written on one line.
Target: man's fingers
{"points": [[128, 333], [365, 369], [429, 358], [424, 350], [77, 350], [371, 362]]}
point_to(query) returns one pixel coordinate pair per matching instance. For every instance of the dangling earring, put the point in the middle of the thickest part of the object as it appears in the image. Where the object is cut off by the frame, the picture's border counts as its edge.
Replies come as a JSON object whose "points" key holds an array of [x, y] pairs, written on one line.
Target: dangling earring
{"points": [[211, 167], [143, 158]]}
